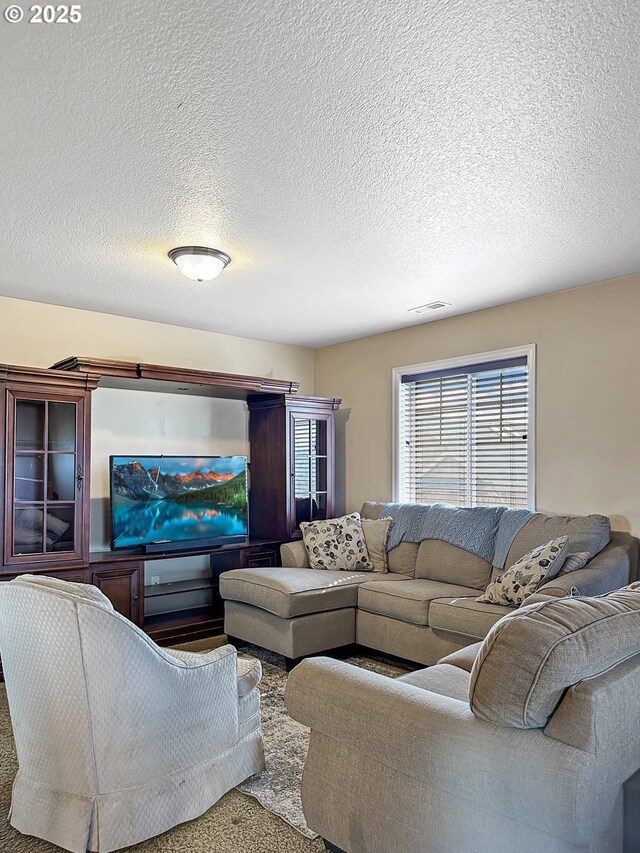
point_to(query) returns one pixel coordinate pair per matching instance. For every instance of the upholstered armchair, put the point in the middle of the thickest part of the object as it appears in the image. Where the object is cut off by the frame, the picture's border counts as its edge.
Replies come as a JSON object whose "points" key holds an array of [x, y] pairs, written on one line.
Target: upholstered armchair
{"points": [[118, 739]]}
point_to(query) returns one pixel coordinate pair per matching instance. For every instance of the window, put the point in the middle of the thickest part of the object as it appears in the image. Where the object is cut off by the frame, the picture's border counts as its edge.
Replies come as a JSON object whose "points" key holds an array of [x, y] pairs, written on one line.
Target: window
{"points": [[464, 430]]}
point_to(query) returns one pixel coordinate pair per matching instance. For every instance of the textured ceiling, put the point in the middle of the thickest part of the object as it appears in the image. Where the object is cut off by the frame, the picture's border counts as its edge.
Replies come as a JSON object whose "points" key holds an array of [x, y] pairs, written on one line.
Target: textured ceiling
{"points": [[355, 159]]}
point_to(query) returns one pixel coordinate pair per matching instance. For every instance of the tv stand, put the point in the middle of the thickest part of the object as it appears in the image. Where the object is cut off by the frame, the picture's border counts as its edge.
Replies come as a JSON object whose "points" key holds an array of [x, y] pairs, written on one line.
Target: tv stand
{"points": [[179, 622]]}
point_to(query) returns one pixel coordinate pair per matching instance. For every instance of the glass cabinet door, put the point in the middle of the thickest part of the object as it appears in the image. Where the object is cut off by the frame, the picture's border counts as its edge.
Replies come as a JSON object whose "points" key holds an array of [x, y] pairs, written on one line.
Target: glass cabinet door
{"points": [[310, 486], [45, 479]]}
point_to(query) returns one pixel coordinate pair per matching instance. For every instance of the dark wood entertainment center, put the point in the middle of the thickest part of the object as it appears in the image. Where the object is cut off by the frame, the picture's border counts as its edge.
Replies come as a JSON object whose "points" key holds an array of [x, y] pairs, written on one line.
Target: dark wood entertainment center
{"points": [[45, 464]]}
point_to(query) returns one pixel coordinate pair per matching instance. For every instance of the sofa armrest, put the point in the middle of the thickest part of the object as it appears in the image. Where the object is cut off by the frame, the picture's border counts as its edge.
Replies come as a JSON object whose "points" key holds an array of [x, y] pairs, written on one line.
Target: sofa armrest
{"points": [[539, 597], [193, 659], [404, 726], [608, 570], [373, 714], [294, 555], [248, 670], [437, 741]]}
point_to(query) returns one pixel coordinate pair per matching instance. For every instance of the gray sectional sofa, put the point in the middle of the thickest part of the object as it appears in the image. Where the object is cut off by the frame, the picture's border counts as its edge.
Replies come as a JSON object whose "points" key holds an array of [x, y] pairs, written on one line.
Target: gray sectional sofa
{"points": [[423, 608], [522, 743]]}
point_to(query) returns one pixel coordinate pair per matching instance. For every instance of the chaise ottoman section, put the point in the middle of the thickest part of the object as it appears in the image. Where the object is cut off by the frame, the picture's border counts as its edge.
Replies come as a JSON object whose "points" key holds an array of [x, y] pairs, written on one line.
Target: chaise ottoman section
{"points": [[294, 612], [291, 592], [294, 638]]}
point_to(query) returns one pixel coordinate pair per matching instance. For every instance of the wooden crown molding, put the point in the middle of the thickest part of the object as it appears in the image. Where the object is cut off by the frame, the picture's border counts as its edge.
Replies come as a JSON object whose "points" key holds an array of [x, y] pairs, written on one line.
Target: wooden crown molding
{"points": [[124, 374]]}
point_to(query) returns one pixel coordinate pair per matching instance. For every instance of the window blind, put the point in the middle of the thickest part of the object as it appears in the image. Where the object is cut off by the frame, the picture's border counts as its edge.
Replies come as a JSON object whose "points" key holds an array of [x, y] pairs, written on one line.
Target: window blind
{"points": [[463, 435]]}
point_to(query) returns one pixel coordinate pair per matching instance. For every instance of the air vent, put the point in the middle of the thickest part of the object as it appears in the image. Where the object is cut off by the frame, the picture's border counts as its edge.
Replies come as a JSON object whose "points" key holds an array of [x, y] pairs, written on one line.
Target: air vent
{"points": [[431, 306]]}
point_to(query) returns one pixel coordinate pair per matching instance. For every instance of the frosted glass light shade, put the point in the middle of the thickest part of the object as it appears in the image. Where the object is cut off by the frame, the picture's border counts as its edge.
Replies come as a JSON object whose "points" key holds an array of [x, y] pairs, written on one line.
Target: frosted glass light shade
{"points": [[198, 262]]}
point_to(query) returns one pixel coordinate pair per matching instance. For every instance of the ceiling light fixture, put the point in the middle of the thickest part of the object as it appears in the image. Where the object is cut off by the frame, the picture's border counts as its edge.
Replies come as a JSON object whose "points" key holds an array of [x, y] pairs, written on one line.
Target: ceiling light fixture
{"points": [[198, 262]]}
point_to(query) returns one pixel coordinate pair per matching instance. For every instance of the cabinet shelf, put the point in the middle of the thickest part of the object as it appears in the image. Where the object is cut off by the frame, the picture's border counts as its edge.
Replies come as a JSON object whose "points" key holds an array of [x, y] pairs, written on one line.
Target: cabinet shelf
{"points": [[40, 451], [176, 611], [125, 554], [177, 587], [178, 618], [40, 502], [186, 626]]}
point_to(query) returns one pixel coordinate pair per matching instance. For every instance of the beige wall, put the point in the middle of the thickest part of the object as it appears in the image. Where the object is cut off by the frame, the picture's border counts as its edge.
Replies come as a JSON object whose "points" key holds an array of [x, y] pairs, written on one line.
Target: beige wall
{"points": [[588, 388], [39, 335], [588, 394], [130, 422]]}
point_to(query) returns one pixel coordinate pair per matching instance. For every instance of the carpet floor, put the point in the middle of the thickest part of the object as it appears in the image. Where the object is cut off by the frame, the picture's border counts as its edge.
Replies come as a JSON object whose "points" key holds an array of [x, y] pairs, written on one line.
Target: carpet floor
{"points": [[236, 823]]}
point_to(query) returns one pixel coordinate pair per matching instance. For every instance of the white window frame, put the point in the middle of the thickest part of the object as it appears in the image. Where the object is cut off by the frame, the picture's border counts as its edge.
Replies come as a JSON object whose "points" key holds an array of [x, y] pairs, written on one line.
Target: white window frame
{"points": [[528, 350]]}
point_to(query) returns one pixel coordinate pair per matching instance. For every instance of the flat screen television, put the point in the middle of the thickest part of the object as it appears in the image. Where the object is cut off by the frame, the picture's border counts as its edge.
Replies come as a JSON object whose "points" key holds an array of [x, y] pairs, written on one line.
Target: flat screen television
{"points": [[178, 501]]}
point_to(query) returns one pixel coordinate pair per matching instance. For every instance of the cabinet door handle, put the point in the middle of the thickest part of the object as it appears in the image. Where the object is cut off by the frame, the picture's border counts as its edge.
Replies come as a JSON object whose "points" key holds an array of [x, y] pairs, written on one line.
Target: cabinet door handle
{"points": [[80, 476], [134, 595]]}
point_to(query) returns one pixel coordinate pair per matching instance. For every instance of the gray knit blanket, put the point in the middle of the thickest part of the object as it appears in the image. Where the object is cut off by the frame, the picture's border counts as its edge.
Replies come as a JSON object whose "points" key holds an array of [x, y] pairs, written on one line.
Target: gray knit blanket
{"points": [[487, 531]]}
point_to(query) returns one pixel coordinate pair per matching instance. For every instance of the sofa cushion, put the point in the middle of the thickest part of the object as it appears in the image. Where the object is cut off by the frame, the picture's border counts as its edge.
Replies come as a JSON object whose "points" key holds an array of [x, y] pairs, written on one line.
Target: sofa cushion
{"points": [[441, 561], [463, 658], [371, 509], [336, 543], [524, 577], [402, 559], [376, 535], [444, 679], [465, 616], [530, 658], [573, 562], [294, 592], [407, 600], [585, 533]]}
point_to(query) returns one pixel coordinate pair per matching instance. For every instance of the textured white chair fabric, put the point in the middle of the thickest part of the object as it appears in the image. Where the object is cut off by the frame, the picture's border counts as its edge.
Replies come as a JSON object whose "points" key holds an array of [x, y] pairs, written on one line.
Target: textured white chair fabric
{"points": [[118, 739]]}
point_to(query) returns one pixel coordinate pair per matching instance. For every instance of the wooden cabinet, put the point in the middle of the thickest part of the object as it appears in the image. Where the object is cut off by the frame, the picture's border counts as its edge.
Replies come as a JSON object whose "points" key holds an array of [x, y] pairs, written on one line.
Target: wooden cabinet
{"points": [[122, 583], [260, 557], [45, 426], [45, 482], [74, 576], [292, 468]]}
